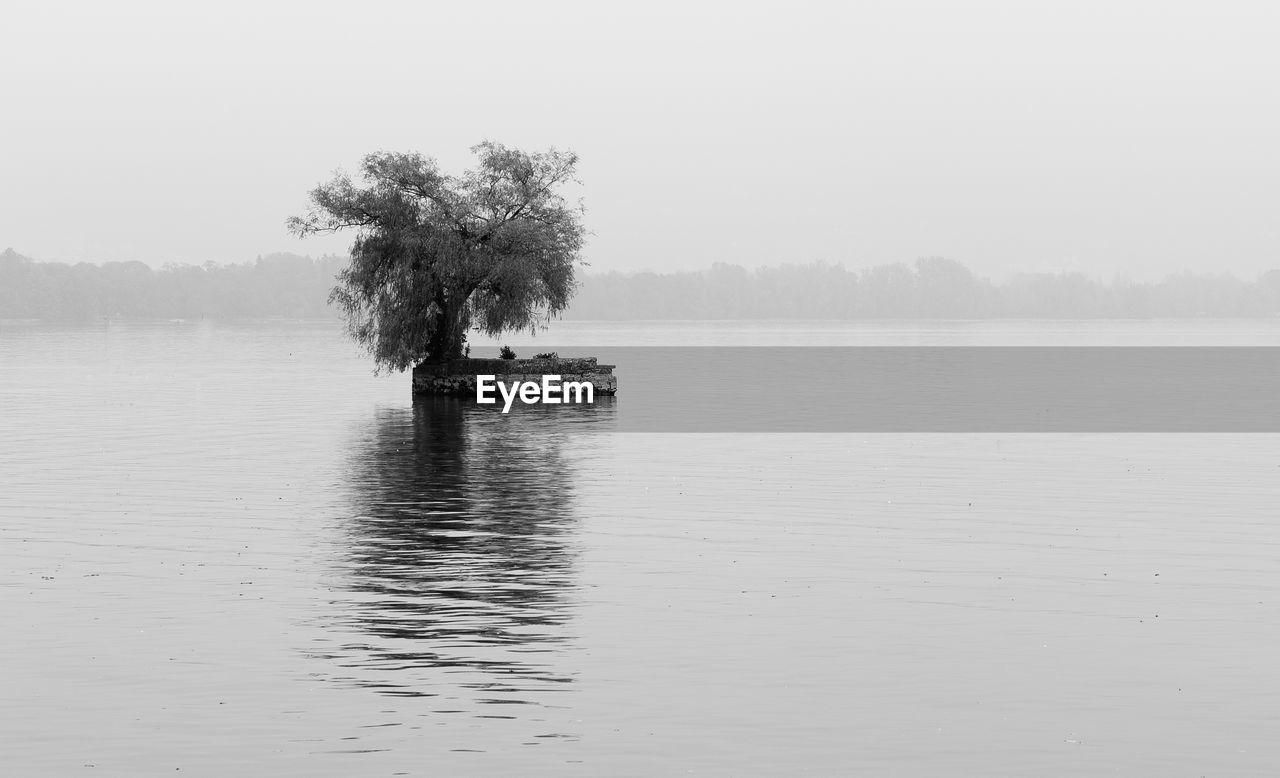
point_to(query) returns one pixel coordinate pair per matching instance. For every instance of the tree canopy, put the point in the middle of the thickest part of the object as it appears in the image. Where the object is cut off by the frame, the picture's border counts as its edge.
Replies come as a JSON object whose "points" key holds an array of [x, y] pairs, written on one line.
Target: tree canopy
{"points": [[436, 256]]}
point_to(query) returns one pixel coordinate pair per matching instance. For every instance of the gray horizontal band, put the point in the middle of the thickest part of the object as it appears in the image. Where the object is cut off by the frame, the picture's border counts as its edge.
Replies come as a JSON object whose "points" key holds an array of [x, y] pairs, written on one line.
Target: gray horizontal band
{"points": [[926, 389]]}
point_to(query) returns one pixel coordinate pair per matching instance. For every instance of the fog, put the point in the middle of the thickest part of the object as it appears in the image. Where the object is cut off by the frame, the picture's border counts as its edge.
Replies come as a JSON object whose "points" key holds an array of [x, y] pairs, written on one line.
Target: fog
{"points": [[1113, 139], [297, 287]]}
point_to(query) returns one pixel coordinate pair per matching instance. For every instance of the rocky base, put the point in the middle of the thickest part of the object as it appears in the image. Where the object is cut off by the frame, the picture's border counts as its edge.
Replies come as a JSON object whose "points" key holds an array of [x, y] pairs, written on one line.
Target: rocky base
{"points": [[457, 377]]}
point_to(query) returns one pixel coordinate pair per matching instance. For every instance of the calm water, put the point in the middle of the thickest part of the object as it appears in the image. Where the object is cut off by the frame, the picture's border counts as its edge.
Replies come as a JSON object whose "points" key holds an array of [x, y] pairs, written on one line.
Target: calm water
{"points": [[230, 549]]}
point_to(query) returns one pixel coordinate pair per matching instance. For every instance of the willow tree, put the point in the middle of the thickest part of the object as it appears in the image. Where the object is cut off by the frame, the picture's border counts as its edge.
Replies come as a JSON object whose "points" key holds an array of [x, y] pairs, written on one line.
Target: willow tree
{"points": [[436, 256]]}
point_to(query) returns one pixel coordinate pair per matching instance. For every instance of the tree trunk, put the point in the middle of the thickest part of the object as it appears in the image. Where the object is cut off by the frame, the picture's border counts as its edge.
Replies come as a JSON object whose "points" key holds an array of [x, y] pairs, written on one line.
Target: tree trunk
{"points": [[448, 335]]}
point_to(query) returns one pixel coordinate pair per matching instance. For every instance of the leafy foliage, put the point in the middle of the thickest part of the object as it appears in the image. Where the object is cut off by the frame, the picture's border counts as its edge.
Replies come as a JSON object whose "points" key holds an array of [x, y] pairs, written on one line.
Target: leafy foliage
{"points": [[506, 353], [436, 256]]}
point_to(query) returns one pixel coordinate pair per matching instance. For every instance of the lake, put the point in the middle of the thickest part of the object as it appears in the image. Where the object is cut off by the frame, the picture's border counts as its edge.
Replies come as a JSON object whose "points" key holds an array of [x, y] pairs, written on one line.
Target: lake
{"points": [[231, 549]]}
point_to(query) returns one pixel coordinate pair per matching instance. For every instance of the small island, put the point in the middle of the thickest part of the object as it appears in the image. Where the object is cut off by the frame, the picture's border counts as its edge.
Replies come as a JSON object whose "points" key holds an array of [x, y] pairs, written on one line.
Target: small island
{"points": [[457, 377]]}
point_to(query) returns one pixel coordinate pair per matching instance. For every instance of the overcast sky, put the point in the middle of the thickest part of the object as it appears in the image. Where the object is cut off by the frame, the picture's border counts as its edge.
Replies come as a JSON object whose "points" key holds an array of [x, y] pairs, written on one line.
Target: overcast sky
{"points": [[1110, 137]]}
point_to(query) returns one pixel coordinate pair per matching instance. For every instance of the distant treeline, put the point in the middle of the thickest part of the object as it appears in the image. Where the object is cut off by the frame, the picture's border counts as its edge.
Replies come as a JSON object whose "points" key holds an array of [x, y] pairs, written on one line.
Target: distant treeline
{"points": [[298, 287], [276, 285], [932, 287]]}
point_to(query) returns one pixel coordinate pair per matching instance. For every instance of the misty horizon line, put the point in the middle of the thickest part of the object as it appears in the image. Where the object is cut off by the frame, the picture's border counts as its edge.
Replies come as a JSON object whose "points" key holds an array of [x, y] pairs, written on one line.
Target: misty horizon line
{"points": [[296, 286], [1121, 276]]}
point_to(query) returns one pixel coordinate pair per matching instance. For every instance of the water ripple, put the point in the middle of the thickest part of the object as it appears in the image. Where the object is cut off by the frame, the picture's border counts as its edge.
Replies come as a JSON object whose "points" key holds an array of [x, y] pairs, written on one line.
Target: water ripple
{"points": [[458, 556]]}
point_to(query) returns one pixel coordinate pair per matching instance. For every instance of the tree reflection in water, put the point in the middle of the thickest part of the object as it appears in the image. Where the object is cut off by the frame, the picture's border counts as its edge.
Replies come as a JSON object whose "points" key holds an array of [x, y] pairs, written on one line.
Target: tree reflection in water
{"points": [[458, 561]]}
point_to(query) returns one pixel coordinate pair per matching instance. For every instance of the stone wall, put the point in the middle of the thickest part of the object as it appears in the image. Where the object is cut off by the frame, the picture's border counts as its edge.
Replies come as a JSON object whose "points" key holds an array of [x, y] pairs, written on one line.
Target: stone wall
{"points": [[457, 377]]}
